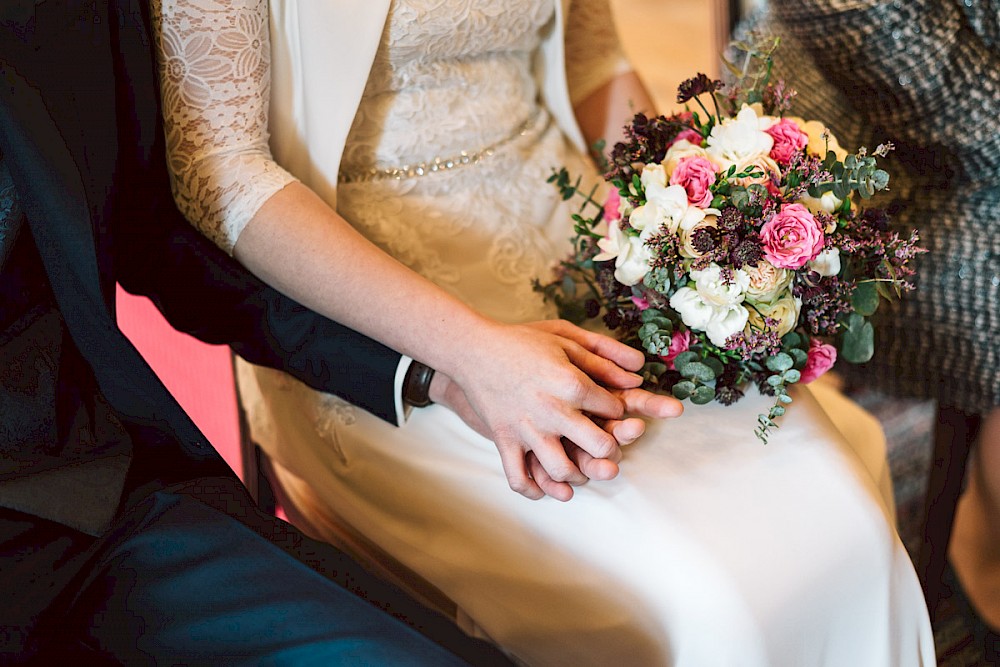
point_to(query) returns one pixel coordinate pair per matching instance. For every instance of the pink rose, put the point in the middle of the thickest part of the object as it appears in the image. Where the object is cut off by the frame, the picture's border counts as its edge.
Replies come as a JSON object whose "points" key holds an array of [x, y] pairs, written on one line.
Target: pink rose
{"points": [[792, 237], [611, 206], [696, 174], [788, 140], [691, 135], [679, 342], [821, 359]]}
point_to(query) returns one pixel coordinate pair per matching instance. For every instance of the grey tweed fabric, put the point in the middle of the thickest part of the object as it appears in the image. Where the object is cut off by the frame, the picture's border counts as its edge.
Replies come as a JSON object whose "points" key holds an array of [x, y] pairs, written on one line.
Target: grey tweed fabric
{"points": [[924, 74]]}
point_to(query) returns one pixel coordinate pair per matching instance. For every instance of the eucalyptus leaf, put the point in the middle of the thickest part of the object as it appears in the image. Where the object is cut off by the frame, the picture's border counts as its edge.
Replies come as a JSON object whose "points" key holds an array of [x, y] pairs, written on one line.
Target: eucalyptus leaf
{"points": [[776, 411], [864, 299], [697, 370], [683, 389], [785, 398], [858, 340], [702, 395], [740, 198], [780, 362], [683, 359], [714, 364], [791, 376], [791, 340], [800, 356], [774, 380]]}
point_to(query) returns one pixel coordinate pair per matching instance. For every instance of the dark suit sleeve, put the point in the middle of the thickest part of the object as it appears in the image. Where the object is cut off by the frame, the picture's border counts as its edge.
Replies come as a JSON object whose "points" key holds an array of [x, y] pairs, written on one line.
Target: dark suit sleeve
{"points": [[199, 288], [116, 142]]}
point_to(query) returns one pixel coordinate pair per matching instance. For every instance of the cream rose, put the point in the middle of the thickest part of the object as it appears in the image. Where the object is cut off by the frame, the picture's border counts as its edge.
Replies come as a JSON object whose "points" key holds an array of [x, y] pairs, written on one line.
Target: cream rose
{"points": [[785, 310], [687, 231], [817, 144], [762, 164], [825, 203], [766, 281]]}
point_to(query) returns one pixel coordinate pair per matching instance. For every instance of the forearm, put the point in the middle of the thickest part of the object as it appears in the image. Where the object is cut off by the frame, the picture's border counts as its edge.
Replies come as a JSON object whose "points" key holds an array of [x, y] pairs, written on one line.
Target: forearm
{"points": [[603, 113], [299, 245]]}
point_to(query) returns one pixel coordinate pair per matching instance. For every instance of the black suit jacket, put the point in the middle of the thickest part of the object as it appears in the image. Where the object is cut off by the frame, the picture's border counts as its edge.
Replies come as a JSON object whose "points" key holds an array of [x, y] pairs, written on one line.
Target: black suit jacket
{"points": [[82, 144]]}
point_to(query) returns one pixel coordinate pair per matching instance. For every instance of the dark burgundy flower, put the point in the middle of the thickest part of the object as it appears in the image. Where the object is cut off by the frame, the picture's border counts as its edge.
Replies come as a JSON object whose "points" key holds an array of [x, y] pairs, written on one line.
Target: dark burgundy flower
{"points": [[696, 86]]}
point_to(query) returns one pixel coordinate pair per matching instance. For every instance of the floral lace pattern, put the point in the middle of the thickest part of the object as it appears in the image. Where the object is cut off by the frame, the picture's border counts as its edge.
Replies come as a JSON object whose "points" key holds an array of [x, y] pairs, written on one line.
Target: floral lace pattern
{"points": [[459, 80], [214, 64], [448, 75]]}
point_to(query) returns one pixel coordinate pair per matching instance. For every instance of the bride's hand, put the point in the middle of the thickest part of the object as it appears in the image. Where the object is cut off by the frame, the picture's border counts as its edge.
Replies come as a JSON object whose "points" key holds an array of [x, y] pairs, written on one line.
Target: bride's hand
{"points": [[529, 387]]}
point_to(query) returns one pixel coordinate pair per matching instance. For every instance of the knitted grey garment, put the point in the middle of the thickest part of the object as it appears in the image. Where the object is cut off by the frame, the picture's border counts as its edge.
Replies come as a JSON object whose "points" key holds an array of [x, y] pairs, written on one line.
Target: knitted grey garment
{"points": [[924, 74]]}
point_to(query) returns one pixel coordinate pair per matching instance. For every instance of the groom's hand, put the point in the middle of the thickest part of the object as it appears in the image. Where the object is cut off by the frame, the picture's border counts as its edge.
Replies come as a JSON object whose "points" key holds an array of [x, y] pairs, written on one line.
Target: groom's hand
{"points": [[536, 387]]}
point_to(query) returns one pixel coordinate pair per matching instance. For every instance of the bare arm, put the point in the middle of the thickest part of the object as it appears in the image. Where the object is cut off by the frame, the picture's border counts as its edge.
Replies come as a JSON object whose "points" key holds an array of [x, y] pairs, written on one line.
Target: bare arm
{"points": [[527, 388]]}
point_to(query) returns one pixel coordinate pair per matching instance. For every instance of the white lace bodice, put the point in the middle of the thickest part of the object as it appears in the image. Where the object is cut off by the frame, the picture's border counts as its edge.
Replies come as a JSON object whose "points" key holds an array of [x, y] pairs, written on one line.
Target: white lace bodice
{"points": [[449, 74]]}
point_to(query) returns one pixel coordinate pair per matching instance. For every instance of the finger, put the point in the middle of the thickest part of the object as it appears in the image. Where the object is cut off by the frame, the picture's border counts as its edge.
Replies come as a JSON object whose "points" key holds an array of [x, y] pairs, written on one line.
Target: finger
{"points": [[590, 437], [595, 469], [644, 403], [625, 431], [514, 467], [601, 369], [615, 351], [559, 490], [552, 456]]}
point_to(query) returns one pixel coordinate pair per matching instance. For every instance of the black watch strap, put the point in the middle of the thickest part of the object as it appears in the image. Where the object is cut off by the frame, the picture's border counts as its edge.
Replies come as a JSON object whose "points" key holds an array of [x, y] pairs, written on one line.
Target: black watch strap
{"points": [[417, 385]]}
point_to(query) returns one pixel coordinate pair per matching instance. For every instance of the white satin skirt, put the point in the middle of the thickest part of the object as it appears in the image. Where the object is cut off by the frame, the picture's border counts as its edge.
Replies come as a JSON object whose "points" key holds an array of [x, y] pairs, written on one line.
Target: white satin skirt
{"points": [[710, 548]]}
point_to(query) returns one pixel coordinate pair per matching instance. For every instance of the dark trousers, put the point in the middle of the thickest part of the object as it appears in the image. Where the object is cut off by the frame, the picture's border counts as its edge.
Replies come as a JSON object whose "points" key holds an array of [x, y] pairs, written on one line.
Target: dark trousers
{"points": [[194, 574]]}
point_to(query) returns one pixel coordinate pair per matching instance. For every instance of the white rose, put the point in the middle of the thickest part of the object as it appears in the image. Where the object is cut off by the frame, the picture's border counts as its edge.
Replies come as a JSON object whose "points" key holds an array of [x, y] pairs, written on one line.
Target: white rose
{"points": [[633, 262], [737, 140], [718, 321], [677, 152], [766, 281], [728, 320], [785, 310], [692, 308], [718, 292], [827, 263]]}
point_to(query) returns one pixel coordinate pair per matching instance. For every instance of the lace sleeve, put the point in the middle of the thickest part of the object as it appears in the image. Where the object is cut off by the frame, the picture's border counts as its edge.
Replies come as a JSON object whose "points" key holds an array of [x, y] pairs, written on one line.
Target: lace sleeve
{"points": [[593, 53], [214, 60]]}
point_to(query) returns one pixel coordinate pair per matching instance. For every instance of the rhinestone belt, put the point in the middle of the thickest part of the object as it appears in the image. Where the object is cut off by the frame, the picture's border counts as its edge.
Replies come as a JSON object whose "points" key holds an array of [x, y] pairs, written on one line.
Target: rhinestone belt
{"points": [[438, 164]]}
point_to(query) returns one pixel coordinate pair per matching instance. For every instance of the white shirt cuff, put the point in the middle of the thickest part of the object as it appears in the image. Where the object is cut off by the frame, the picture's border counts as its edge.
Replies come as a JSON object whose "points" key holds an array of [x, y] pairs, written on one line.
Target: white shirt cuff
{"points": [[402, 409]]}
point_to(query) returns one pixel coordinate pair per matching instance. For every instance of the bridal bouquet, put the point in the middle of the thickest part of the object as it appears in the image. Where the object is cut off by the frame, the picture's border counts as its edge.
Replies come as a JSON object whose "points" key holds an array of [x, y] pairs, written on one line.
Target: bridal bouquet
{"points": [[733, 248]]}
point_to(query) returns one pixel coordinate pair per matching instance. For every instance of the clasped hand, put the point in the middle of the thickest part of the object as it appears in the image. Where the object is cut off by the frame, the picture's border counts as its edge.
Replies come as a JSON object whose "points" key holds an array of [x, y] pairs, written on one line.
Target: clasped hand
{"points": [[558, 402]]}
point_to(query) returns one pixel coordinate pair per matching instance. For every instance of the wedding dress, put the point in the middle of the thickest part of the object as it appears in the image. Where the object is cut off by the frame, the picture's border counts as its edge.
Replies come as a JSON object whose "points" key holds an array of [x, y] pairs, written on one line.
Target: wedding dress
{"points": [[709, 548]]}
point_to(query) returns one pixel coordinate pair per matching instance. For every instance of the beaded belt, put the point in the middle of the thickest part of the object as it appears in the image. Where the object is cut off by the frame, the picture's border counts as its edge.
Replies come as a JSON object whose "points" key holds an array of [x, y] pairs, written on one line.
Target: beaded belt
{"points": [[462, 159]]}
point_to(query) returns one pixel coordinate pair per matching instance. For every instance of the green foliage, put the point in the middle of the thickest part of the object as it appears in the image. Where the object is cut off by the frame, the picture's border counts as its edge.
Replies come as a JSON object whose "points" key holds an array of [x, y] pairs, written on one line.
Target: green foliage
{"points": [[857, 340], [865, 298], [857, 173], [751, 70], [658, 280], [656, 332]]}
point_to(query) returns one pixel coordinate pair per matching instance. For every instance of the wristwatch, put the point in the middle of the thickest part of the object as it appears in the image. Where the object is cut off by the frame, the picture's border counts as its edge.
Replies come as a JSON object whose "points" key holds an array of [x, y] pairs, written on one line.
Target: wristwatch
{"points": [[417, 385]]}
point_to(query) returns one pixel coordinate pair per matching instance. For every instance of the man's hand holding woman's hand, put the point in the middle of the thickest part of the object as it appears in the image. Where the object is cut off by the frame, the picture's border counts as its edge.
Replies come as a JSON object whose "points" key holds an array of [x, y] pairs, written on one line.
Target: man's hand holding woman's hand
{"points": [[557, 400]]}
